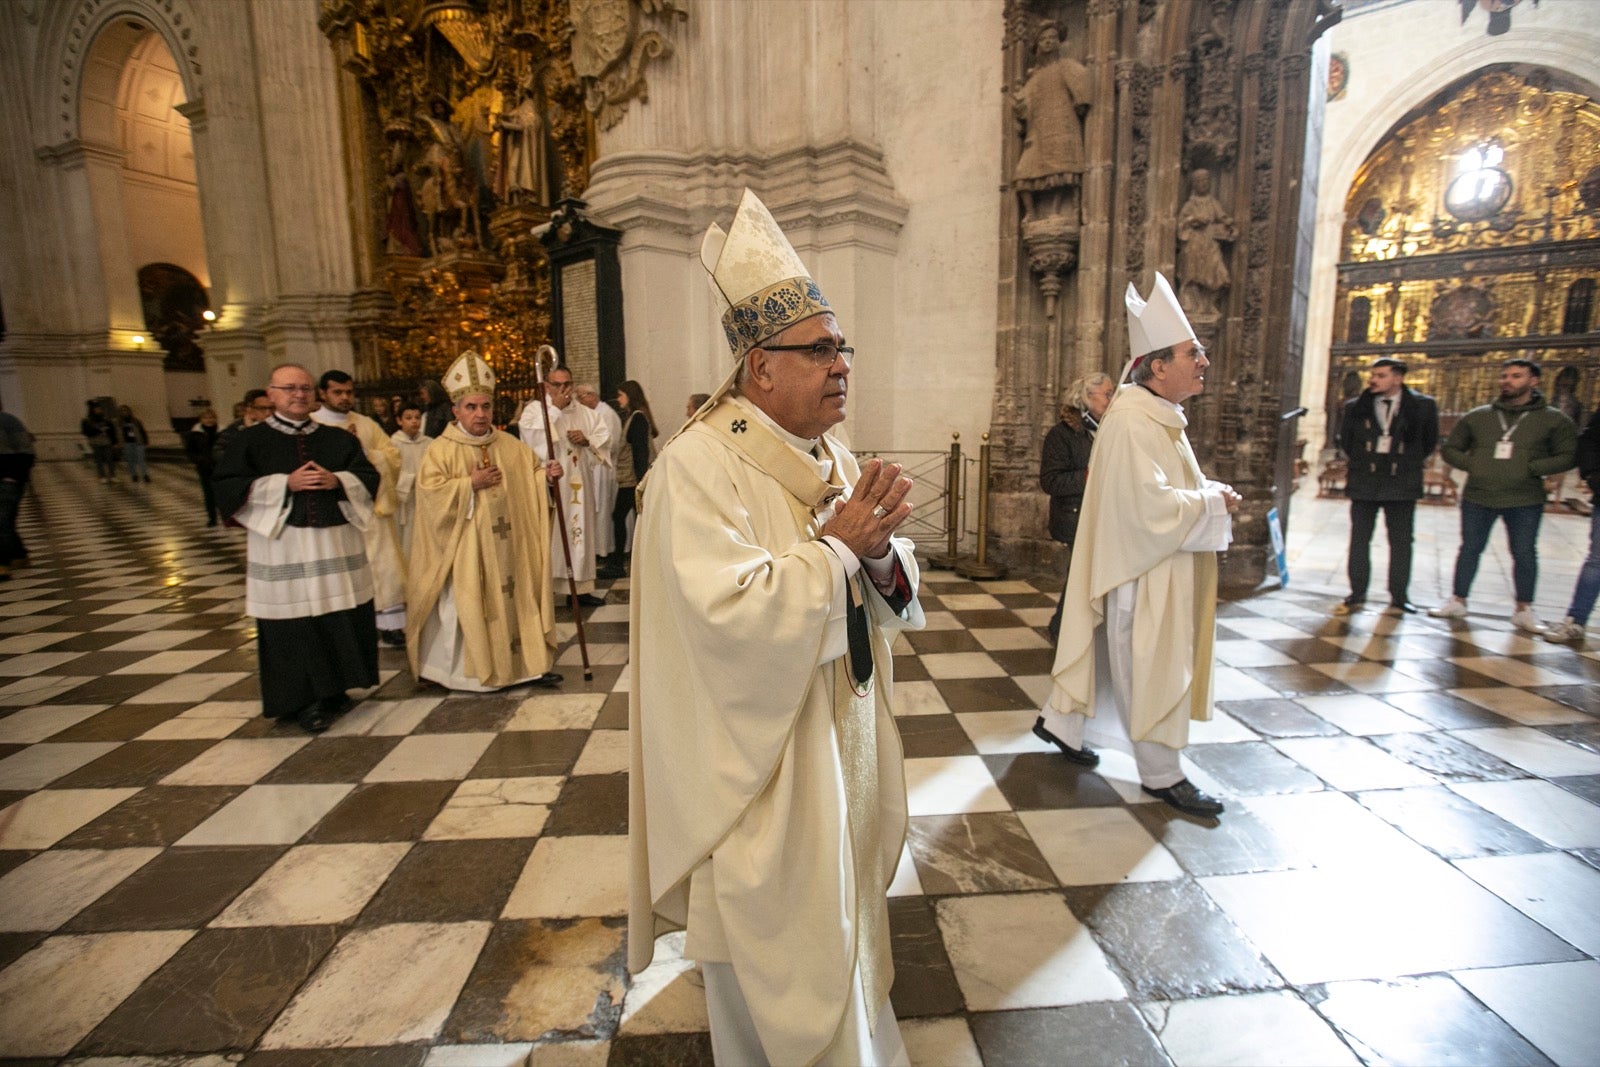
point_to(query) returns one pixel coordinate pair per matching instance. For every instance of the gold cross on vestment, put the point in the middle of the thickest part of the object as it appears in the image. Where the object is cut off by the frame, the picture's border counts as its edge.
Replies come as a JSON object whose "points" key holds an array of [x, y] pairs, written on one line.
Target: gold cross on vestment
{"points": [[509, 587], [501, 527]]}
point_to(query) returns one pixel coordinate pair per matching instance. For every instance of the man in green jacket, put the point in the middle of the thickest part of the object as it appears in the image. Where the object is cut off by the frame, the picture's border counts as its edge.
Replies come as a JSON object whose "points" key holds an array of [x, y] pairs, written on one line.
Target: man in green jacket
{"points": [[1507, 449]]}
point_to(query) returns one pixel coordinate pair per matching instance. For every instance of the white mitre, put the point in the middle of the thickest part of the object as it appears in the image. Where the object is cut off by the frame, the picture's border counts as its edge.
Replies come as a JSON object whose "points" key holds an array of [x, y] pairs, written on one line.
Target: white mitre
{"points": [[469, 375], [1156, 323], [760, 283]]}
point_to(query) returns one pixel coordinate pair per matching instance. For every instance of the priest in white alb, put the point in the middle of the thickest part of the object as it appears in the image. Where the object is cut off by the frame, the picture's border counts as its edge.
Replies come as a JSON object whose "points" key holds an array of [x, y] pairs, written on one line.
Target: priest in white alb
{"points": [[767, 805], [1133, 665], [582, 446], [479, 591], [607, 552]]}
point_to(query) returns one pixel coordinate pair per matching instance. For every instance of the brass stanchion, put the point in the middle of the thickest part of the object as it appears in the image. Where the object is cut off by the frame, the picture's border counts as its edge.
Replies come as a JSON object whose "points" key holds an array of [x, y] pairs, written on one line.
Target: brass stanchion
{"points": [[946, 560], [981, 568]]}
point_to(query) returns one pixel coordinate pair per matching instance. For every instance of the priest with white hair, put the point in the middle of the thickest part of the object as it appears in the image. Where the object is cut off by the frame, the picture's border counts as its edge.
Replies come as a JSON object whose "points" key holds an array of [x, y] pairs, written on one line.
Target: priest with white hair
{"points": [[1140, 604]]}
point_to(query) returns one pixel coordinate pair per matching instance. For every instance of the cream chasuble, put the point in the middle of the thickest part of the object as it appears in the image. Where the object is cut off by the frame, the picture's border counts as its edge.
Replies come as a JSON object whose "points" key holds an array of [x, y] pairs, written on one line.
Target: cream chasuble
{"points": [[759, 777], [382, 537], [411, 451], [1145, 497], [577, 483], [485, 551], [604, 481]]}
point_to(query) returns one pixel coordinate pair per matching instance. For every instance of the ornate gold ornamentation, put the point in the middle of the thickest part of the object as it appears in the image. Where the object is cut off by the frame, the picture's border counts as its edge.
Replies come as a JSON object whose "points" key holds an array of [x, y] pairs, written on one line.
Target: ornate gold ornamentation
{"points": [[610, 51]]}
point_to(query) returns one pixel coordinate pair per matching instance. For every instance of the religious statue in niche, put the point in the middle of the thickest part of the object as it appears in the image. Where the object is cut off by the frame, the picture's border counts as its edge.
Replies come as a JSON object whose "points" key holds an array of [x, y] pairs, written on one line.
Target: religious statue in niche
{"points": [[524, 176], [400, 222], [1050, 107], [1204, 226], [440, 171]]}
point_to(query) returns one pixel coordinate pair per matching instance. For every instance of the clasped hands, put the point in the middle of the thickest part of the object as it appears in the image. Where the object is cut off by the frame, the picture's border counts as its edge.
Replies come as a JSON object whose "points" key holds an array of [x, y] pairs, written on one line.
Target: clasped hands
{"points": [[310, 475], [875, 510], [1231, 498]]}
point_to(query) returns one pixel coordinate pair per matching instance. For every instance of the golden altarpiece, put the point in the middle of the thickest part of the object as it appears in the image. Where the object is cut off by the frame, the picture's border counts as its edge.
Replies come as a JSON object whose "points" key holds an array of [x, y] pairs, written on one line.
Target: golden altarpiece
{"points": [[1472, 236], [468, 124]]}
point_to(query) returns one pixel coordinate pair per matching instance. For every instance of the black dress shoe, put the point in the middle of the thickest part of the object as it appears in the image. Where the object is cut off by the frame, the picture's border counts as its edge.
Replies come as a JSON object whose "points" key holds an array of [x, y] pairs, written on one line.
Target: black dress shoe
{"points": [[611, 572], [1187, 799], [393, 638], [314, 717], [1404, 607], [548, 680], [1083, 757], [589, 600]]}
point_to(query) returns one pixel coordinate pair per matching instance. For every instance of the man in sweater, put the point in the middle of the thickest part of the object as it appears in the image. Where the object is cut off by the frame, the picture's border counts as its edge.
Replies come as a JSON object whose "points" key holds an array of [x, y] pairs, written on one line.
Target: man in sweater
{"points": [[1388, 433], [1507, 449]]}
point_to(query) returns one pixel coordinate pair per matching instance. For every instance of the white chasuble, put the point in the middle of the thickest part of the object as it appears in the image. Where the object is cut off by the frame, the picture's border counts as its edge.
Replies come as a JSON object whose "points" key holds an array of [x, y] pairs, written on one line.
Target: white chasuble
{"points": [[579, 463], [381, 536]]}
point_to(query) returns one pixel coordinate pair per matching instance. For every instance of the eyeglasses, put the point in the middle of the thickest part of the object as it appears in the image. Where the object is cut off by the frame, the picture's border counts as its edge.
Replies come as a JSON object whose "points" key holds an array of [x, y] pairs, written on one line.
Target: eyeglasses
{"points": [[291, 388], [822, 353], [559, 385]]}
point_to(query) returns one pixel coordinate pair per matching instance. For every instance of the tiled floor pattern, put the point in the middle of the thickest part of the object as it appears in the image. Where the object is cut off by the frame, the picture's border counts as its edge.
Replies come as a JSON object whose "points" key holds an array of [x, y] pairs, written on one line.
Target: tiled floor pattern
{"points": [[1407, 872]]}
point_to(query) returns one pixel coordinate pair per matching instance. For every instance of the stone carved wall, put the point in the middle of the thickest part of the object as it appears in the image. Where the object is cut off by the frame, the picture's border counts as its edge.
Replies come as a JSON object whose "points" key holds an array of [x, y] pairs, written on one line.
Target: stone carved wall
{"points": [[1220, 86]]}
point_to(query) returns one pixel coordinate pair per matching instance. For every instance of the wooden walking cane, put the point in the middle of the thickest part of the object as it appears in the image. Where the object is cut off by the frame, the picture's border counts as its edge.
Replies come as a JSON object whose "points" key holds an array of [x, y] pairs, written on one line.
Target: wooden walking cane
{"points": [[539, 371]]}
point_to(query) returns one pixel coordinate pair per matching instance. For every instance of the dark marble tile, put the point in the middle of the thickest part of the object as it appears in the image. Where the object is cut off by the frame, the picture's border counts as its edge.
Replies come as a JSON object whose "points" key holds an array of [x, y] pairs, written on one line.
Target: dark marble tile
{"points": [[535, 979], [383, 811], [1278, 718], [220, 991], [1170, 940], [1034, 780], [1447, 757], [12, 750], [1022, 662], [121, 724], [135, 763], [1445, 711], [926, 641], [158, 815], [1253, 768], [111, 689], [238, 659], [1583, 734], [661, 1050], [391, 1056], [1014, 601], [1110, 1033], [1448, 824], [1428, 1020], [1566, 659], [1584, 698], [1586, 786], [933, 735], [474, 714], [181, 888], [14, 857], [450, 881], [100, 663], [604, 680], [1240, 843], [14, 946], [90, 642], [924, 981], [244, 689], [953, 587], [530, 754], [261, 726], [614, 713], [987, 618], [983, 694], [591, 804], [1296, 681], [1312, 650], [1447, 675], [222, 640], [987, 852], [9, 797], [910, 669], [332, 759]]}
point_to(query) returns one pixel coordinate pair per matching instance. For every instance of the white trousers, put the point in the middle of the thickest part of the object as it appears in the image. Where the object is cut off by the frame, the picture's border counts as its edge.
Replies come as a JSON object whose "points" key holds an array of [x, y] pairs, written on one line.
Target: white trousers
{"points": [[1113, 649], [735, 1043]]}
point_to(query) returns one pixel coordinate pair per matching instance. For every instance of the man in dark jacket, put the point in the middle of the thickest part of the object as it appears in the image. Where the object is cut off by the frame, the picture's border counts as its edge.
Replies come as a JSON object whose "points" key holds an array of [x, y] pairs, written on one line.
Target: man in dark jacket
{"points": [[1570, 630], [1064, 461], [1507, 449], [1388, 433]]}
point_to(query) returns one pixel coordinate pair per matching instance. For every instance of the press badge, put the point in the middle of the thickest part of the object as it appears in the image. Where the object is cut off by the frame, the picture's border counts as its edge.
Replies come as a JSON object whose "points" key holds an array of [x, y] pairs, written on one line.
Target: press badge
{"points": [[1385, 443], [1502, 449]]}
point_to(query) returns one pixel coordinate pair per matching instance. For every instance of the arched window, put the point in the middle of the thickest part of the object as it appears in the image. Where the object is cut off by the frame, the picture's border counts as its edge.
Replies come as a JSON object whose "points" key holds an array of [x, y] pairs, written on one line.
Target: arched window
{"points": [[1360, 320], [1580, 301]]}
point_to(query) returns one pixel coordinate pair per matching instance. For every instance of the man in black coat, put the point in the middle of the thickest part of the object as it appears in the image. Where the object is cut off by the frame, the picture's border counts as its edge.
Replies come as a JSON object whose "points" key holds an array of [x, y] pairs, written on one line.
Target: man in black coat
{"points": [[1064, 462], [1389, 431]]}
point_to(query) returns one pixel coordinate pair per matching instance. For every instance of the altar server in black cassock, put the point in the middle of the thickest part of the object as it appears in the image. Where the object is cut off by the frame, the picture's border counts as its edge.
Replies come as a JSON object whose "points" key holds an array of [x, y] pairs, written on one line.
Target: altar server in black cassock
{"points": [[304, 493]]}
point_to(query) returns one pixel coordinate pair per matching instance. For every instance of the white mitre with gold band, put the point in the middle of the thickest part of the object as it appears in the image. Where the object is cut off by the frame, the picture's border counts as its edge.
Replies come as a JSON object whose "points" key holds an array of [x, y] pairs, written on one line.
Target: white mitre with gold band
{"points": [[469, 375], [1154, 323]]}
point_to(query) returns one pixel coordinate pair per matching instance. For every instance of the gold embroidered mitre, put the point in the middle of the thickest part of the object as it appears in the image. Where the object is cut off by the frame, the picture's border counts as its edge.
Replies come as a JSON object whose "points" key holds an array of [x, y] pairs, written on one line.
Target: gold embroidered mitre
{"points": [[469, 375], [760, 283]]}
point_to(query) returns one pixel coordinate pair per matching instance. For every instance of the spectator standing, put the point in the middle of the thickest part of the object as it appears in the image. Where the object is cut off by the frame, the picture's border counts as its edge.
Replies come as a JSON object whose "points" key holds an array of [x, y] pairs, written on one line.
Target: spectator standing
{"points": [[102, 438], [135, 440], [633, 459], [1570, 630], [16, 464], [1064, 463], [201, 445]]}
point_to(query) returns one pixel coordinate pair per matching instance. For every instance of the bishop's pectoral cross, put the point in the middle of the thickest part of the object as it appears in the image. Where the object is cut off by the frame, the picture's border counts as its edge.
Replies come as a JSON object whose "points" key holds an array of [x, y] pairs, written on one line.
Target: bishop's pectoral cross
{"points": [[501, 528]]}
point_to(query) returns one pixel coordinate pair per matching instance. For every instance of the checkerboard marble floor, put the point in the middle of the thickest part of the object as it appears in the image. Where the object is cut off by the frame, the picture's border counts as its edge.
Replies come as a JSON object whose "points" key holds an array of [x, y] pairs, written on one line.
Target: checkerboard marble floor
{"points": [[1407, 872]]}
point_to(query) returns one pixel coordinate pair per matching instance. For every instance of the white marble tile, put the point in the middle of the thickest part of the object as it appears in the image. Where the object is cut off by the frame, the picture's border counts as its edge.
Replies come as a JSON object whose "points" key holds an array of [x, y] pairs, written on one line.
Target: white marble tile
{"points": [[1503, 642], [1098, 846], [1237, 1030], [1521, 706], [35, 663], [53, 886], [28, 607], [1005, 638], [1363, 715], [910, 698], [1351, 763], [424, 966], [52, 997], [939, 1043], [38, 765], [962, 665], [431, 757], [667, 997], [241, 762], [1005, 588], [267, 815], [1531, 750], [1551, 1005], [21, 644], [35, 690], [1037, 686], [137, 606], [384, 718], [174, 662], [602, 653], [495, 807], [27, 624], [1038, 618], [1367, 677], [1379, 648], [1220, 729], [941, 620], [180, 728], [1519, 672], [1259, 629], [1002, 731], [1023, 950], [968, 601], [1554, 889], [570, 877], [1241, 653], [41, 819], [312, 884], [133, 624], [1231, 683], [225, 709], [1546, 811], [1330, 829], [511, 1054], [557, 711], [188, 688], [907, 883], [951, 785], [606, 752]]}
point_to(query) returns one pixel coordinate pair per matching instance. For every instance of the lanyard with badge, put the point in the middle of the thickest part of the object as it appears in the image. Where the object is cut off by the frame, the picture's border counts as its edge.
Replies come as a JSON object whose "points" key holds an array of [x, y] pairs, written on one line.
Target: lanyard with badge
{"points": [[1503, 447], [1385, 420]]}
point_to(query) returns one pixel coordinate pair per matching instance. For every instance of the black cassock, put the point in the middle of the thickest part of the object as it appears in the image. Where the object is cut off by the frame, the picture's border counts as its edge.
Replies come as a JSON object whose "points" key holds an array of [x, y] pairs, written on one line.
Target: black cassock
{"points": [[307, 581]]}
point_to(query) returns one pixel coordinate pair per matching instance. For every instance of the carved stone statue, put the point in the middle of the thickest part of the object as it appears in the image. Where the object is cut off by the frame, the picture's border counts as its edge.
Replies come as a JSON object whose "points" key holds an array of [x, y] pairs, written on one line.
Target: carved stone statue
{"points": [[1203, 226], [1050, 108], [524, 176], [440, 170]]}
